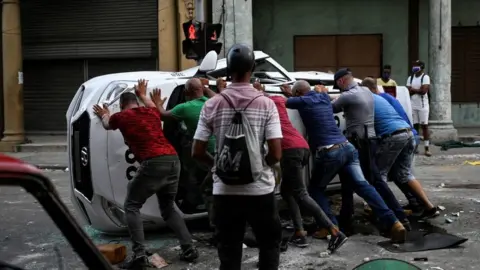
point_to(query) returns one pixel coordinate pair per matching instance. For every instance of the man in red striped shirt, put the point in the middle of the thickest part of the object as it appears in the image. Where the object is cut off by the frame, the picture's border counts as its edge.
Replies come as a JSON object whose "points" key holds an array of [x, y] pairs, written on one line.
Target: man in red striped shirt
{"points": [[295, 155]]}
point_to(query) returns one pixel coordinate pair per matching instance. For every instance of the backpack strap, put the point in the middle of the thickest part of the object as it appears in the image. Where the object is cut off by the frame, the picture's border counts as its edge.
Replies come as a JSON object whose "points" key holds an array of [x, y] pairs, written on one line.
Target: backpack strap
{"points": [[229, 101], [421, 79], [251, 102]]}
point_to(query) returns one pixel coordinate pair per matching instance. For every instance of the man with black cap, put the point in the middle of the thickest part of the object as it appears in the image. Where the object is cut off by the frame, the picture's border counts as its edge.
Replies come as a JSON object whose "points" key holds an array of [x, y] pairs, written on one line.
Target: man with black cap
{"points": [[245, 123], [357, 103]]}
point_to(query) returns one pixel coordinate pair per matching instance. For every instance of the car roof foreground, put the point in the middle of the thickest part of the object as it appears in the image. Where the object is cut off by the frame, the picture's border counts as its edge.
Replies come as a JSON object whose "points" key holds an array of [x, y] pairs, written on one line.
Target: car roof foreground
{"points": [[15, 172]]}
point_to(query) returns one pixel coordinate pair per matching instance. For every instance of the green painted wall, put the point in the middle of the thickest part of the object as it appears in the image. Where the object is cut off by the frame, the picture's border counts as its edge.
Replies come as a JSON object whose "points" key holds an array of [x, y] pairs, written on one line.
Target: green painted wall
{"points": [[276, 22]]}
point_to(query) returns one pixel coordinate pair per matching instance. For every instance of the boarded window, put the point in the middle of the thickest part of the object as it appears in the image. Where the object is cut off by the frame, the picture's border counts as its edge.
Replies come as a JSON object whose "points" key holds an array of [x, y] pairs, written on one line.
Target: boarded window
{"points": [[361, 53], [465, 64]]}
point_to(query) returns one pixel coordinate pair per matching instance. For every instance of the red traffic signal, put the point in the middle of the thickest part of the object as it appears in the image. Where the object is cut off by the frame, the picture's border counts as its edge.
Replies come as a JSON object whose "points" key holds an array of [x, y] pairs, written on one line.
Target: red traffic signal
{"points": [[213, 31], [192, 30]]}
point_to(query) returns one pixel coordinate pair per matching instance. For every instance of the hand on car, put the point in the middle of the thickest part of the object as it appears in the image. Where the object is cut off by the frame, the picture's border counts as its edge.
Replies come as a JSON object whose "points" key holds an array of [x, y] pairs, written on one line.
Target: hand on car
{"points": [[286, 89], [221, 84], [204, 81], [141, 88], [320, 89], [101, 111], [156, 97], [260, 87]]}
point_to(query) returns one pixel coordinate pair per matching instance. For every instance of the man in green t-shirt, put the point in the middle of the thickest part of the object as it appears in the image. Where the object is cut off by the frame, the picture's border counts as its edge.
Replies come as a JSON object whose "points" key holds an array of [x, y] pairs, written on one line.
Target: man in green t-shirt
{"points": [[189, 112]]}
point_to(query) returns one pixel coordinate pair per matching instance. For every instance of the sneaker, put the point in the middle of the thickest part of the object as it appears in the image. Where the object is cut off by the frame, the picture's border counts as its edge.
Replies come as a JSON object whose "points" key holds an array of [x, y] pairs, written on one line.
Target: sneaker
{"points": [[430, 213], [135, 263], [416, 210], [189, 254], [321, 234], [406, 224], [398, 233], [428, 153], [336, 242], [299, 239]]}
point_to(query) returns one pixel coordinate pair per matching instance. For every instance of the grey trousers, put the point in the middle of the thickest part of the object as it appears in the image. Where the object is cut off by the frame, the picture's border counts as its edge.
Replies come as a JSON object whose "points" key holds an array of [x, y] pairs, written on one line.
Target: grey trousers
{"points": [[157, 176]]}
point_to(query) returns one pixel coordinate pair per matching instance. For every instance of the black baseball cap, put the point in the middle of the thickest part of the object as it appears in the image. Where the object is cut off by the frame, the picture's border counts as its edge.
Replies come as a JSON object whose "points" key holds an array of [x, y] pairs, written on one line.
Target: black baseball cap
{"points": [[419, 63], [240, 58], [340, 73]]}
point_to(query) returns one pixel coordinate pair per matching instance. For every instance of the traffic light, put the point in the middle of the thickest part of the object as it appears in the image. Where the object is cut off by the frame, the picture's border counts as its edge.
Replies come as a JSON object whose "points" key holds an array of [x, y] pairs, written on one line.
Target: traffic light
{"points": [[212, 34], [198, 41], [193, 31]]}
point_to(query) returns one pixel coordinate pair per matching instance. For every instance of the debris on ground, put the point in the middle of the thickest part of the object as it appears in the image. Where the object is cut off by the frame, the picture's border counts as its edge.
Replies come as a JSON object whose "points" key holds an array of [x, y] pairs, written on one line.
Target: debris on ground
{"points": [[457, 214], [441, 208], [325, 254], [448, 220], [441, 185], [366, 259], [157, 261]]}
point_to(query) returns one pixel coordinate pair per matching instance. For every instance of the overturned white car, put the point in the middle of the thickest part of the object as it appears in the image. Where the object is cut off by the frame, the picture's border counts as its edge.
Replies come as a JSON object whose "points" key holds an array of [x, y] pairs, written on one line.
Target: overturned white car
{"points": [[101, 164]]}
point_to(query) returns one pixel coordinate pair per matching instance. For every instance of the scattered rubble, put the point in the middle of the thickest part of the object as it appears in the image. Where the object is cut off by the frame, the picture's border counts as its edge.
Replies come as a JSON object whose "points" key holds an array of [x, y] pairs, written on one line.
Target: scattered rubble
{"points": [[457, 214], [441, 208], [448, 220]]}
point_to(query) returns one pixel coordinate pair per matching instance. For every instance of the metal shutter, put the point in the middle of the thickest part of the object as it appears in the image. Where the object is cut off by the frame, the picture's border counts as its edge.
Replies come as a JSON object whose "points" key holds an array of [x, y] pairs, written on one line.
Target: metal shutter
{"points": [[55, 29], [97, 67], [49, 87]]}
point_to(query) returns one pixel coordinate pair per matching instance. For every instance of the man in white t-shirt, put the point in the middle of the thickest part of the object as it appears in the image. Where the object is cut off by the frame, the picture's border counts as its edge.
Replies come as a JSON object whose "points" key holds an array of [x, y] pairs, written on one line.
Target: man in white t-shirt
{"points": [[419, 84]]}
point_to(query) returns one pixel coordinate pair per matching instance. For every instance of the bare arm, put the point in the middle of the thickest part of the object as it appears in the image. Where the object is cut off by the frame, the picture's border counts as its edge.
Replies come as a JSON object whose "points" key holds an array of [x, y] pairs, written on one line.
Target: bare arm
{"points": [[200, 140], [274, 151], [141, 92], [424, 89], [104, 114], [158, 101], [199, 152]]}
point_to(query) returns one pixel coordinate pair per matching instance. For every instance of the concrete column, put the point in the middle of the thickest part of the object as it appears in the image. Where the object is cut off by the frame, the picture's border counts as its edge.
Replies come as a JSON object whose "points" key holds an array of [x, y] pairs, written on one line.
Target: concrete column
{"points": [[167, 35], [236, 17], [12, 75], [440, 67]]}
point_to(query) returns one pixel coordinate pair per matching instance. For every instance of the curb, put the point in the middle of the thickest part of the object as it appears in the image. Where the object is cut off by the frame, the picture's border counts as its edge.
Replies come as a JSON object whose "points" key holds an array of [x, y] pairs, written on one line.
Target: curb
{"points": [[51, 167]]}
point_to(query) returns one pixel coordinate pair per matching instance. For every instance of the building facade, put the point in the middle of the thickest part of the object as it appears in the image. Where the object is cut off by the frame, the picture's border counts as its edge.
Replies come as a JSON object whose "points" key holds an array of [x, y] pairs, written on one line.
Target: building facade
{"points": [[58, 45]]}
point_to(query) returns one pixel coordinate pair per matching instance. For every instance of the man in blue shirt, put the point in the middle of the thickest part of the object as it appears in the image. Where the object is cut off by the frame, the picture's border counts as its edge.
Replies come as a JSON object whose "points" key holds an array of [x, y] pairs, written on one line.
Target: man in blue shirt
{"points": [[335, 155], [357, 104], [412, 189]]}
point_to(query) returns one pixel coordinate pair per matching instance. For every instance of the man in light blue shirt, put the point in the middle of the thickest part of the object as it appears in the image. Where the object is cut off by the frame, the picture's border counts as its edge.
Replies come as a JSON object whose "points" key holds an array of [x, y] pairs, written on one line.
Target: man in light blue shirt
{"points": [[412, 188]]}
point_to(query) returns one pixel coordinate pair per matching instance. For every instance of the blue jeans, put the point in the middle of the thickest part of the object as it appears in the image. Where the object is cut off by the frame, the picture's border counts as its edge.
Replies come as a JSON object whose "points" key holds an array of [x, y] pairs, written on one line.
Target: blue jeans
{"points": [[344, 161], [372, 174]]}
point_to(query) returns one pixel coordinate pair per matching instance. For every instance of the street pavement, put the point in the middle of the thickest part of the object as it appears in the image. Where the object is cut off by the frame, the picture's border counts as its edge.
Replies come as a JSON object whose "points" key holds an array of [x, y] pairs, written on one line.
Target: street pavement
{"points": [[28, 238]]}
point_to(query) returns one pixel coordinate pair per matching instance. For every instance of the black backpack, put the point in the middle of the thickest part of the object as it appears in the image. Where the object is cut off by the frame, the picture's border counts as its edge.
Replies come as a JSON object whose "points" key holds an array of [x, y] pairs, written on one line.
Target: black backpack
{"points": [[421, 83], [232, 162]]}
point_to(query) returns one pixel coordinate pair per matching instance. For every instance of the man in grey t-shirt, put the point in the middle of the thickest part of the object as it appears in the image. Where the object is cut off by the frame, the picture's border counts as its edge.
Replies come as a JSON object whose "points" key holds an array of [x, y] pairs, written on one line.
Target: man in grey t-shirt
{"points": [[358, 105]]}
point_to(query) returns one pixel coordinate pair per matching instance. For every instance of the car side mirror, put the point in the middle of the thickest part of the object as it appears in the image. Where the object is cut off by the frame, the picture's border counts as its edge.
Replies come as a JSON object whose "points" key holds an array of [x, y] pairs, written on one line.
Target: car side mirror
{"points": [[15, 172], [209, 62]]}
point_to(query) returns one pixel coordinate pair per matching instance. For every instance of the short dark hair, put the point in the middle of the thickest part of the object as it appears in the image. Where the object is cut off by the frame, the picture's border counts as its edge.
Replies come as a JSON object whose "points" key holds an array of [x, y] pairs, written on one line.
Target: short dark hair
{"points": [[128, 98], [419, 63], [387, 67]]}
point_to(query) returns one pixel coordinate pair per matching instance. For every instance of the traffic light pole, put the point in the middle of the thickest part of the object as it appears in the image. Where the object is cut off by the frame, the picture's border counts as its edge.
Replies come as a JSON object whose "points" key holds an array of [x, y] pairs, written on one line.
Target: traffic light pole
{"points": [[200, 17]]}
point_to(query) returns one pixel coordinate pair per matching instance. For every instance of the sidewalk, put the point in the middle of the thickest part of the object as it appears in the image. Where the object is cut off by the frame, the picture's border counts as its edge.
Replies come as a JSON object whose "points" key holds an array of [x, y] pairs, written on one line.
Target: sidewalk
{"points": [[44, 160], [49, 152]]}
